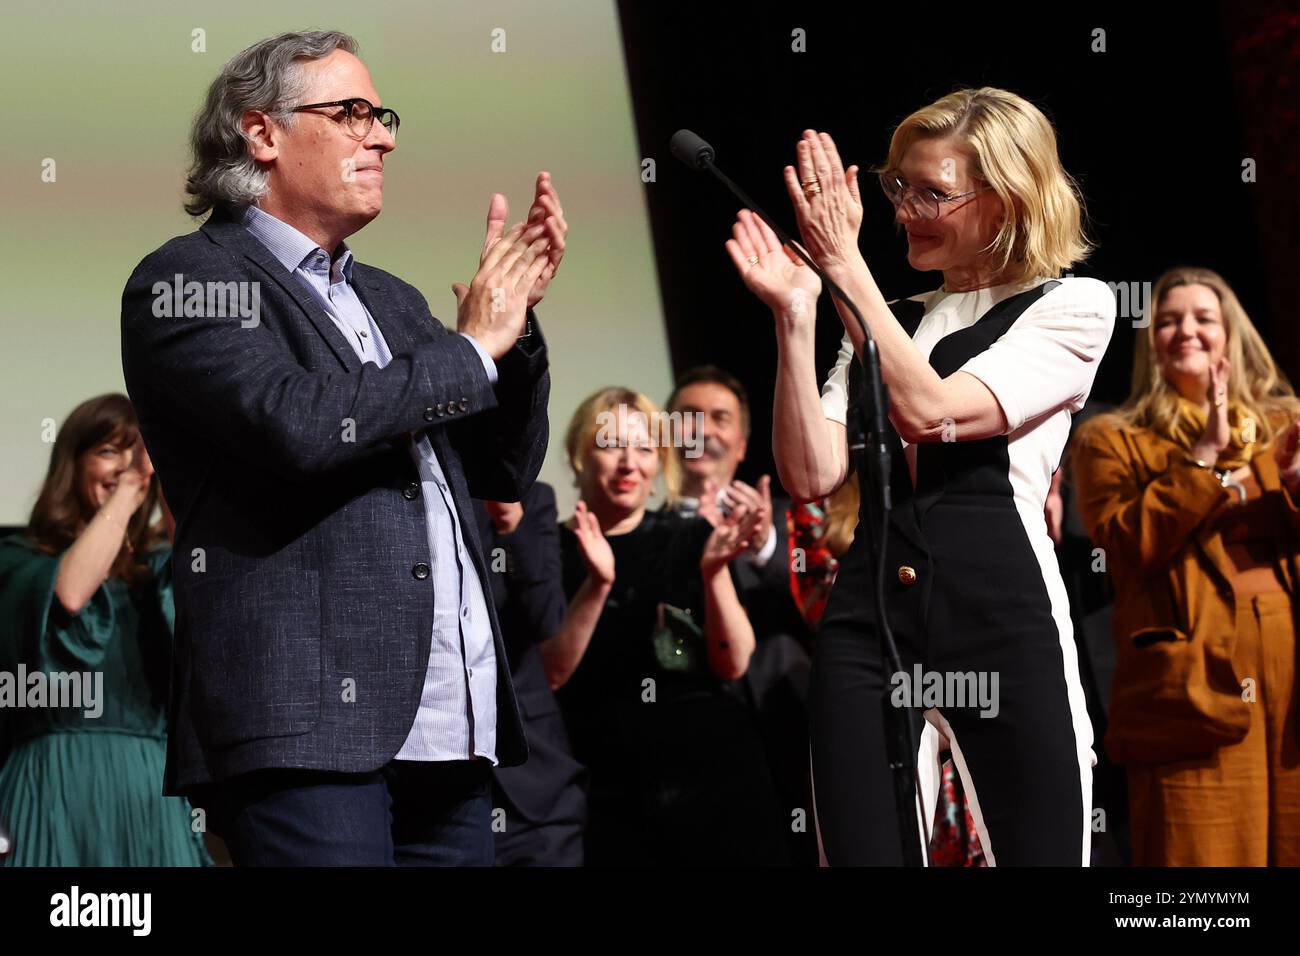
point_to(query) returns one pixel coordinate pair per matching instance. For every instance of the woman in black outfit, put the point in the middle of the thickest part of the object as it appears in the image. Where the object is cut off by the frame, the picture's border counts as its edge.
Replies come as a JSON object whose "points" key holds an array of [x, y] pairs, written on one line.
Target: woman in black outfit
{"points": [[652, 638], [983, 375]]}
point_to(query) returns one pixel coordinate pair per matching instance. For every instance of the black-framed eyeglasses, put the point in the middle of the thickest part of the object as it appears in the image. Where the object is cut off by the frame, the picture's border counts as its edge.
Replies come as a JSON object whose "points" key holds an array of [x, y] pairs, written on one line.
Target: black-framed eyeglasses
{"points": [[921, 201], [360, 115]]}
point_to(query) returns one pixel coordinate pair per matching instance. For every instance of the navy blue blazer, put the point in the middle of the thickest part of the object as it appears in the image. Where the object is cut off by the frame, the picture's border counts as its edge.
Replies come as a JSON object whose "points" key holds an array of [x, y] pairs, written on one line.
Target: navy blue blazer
{"points": [[304, 603]]}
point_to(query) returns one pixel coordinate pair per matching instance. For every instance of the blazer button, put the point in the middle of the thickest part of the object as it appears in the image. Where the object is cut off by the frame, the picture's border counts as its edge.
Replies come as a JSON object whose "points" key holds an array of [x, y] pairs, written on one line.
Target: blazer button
{"points": [[464, 404], [428, 414], [411, 491], [441, 409], [421, 571], [907, 574]]}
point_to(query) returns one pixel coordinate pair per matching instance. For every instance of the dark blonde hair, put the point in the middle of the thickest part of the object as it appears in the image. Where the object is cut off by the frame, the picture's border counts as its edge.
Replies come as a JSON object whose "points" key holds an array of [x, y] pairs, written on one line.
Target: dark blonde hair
{"points": [[1014, 149], [1254, 380], [58, 511], [580, 436]]}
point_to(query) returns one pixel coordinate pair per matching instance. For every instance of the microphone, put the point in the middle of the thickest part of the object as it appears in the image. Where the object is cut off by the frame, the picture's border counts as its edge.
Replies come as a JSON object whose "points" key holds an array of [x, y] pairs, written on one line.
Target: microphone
{"points": [[693, 151]]}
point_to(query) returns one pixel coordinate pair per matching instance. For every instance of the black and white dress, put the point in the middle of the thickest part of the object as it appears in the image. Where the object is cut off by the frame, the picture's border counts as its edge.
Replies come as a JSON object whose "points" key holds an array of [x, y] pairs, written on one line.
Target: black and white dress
{"points": [[973, 589]]}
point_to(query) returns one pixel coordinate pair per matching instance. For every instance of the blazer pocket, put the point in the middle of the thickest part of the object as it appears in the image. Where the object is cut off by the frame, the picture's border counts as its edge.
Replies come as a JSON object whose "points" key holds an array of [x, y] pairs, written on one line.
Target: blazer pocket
{"points": [[1163, 705], [255, 647]]}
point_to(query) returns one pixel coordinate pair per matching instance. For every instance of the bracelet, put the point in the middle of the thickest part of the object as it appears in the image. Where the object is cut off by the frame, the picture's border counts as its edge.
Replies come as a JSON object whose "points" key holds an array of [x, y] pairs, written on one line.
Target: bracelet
{"points": [[1225, 479], [1223, 475]]}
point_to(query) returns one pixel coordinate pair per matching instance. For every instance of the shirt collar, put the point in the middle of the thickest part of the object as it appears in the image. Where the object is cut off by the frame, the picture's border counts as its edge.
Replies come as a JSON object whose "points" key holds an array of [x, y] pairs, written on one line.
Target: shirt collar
{"points": [[687, 503], [292, 249]]}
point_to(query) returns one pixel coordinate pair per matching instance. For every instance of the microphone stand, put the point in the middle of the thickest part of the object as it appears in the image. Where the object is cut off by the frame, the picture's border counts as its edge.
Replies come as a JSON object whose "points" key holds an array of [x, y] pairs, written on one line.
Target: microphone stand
{"points": [[872, 460]]}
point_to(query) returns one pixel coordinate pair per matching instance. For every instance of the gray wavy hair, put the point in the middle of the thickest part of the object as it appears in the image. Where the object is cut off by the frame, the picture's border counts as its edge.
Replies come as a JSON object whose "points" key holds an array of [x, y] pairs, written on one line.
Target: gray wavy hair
{"points": [[265, 77]]}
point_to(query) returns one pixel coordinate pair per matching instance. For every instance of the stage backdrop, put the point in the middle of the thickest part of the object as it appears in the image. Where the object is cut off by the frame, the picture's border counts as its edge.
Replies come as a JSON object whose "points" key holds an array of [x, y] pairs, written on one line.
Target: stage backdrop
{"points": [[107, 93]]}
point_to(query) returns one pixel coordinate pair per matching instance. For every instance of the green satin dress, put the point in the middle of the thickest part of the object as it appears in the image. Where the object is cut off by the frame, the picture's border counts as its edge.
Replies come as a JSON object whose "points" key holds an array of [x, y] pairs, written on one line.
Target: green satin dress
{"points": [[81, 777]]}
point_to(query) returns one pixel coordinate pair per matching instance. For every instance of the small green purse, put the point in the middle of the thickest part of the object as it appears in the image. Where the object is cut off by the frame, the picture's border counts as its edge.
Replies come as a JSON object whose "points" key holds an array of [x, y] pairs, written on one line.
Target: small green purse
{"points": [[679, 641]]}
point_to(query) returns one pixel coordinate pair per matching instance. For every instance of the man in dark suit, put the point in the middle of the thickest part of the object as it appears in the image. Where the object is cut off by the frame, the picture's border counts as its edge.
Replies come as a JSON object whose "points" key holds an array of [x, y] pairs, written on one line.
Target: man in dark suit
{"points": [[339, 688], [716, 422], [541, 806]]}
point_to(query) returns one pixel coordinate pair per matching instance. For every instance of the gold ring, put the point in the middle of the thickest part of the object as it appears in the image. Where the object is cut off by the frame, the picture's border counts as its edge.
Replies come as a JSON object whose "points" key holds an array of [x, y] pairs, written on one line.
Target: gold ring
{"points": [[753, 260], [811, 188]]}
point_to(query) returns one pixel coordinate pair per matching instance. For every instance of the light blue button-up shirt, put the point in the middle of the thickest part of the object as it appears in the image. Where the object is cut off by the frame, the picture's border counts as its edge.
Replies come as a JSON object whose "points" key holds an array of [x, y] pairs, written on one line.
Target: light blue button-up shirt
{"points": [[457, 719]]}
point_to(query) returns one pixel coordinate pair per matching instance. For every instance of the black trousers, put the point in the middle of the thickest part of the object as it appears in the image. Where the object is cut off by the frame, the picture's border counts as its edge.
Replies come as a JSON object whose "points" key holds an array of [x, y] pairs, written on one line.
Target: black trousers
{"points": [[1026, 771]]}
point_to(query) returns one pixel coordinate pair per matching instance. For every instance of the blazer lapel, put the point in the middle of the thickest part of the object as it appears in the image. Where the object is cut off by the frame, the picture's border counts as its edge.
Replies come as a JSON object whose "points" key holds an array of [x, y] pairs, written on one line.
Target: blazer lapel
{"points": [[232, 235], [384, 308]]}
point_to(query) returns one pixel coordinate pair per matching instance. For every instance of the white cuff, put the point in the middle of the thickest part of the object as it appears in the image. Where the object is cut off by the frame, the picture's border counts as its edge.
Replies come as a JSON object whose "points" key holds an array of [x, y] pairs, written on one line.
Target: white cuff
{"points": [[764, 554]]}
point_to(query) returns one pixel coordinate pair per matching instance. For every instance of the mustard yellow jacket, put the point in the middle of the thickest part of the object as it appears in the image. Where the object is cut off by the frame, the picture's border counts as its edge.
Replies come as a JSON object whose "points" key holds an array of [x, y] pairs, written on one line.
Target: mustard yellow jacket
{"points": [[1152, 512]]}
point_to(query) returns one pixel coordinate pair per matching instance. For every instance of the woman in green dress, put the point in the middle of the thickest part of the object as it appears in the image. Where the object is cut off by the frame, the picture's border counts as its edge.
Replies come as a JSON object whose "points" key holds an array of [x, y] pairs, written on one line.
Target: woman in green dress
{"points": [[86, 617]]}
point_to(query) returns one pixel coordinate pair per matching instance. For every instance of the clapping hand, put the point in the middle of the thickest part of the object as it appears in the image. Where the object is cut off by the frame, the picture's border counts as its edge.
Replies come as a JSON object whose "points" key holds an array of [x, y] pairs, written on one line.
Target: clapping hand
{"points": [[758, 501], [827, 203], [709, 509], [775, 274], [1217, 431], [1286, 451], [135, 477], [730, 537], [546, 209], [596, 552], [493, 306]]}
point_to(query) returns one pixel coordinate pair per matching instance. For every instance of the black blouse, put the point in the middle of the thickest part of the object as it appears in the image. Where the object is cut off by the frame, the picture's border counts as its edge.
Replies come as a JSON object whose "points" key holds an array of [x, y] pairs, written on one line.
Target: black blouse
{"points": [[682, 779], [656, 562]]}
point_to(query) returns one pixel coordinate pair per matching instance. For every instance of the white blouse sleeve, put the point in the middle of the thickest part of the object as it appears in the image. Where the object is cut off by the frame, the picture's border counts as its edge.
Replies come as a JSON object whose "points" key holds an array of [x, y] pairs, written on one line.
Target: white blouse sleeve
{"points": [[835, 393], [1049, 357]]}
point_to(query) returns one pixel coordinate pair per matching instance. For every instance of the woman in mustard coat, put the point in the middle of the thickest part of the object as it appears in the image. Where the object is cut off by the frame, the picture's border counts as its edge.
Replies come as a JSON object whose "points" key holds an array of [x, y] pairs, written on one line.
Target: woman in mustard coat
{"points": [[1190, 492]]}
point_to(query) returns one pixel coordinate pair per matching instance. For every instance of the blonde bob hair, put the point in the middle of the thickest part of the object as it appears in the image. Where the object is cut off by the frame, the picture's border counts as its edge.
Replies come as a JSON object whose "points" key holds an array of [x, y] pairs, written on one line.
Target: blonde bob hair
{"points": [[1254, 381], [586, 423], [1013, 147]]}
